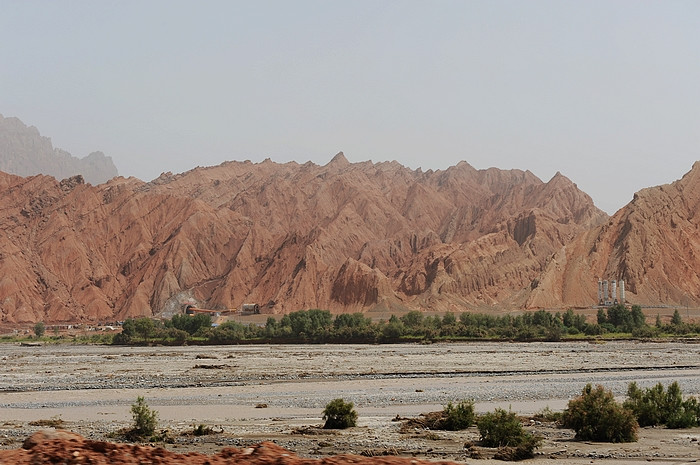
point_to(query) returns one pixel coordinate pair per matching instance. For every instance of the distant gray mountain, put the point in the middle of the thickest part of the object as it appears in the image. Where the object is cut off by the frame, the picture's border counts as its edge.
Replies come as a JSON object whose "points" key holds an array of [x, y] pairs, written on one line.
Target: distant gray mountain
{"points": [[25, 152]]}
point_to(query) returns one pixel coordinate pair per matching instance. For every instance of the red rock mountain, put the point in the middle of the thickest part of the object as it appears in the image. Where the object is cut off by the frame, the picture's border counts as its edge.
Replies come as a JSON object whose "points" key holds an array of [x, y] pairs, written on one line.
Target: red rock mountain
{"points": [[345, 237], [653, 244]]}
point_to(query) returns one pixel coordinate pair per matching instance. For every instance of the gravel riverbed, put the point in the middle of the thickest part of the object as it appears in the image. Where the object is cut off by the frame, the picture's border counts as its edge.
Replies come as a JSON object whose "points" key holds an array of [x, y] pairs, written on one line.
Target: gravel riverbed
{"points": [[253, 393]]}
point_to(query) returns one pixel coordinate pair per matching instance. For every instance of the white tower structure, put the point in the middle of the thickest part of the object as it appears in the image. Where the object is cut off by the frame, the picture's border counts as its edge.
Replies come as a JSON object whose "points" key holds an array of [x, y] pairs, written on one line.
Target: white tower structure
{"points": [[622, 291], [613, 292]]}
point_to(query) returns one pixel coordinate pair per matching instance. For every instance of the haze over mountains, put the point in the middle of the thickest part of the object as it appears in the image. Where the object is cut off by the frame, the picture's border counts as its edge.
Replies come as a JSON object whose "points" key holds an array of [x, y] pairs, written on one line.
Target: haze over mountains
{"points": [[345, 237], [25, 152]]}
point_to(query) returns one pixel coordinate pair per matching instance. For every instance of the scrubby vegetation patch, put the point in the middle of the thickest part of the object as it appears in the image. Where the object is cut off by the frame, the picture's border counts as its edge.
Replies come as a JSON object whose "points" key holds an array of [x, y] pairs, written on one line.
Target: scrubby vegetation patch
{"points": [[339, 414], [655, 406], [596, 416]]}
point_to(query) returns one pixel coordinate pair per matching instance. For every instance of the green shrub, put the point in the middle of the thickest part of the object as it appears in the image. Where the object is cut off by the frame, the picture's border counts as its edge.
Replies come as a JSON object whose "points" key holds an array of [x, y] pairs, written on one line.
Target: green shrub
{"points": [[503, 429], [191, 323], [121, 339], [339, 414], [526, 334], [595, 416], [647, 405], [145, 419], [645, 332], [458, 417], [654, 406], [178, 336], [686, 416], [593, 330], [676, 318], [39, 329], [554, 334]]}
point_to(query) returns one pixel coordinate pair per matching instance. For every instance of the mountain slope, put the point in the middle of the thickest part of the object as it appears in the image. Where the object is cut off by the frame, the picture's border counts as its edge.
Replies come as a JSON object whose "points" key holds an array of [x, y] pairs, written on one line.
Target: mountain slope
{"points": [[653, 244], [347, 237]]}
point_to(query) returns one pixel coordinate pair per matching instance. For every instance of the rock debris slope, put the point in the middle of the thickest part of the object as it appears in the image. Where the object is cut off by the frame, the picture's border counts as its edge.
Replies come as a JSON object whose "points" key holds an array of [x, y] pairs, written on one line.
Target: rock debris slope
{"points": [[345, 237]]}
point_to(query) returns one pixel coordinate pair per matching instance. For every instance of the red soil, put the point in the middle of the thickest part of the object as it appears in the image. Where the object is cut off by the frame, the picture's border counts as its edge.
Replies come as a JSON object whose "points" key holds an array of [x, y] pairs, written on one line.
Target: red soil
{"points": [[49, 447]]}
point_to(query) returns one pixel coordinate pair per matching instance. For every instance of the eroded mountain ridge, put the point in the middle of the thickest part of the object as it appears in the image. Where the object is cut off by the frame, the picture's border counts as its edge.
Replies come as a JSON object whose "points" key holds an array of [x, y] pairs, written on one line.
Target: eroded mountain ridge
{"points": [[342, 236]]}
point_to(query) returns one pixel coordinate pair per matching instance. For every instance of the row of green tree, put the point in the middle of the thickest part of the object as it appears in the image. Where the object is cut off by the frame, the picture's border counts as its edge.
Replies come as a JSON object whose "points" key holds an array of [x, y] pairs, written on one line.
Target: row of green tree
{"points": [[320, 326]]}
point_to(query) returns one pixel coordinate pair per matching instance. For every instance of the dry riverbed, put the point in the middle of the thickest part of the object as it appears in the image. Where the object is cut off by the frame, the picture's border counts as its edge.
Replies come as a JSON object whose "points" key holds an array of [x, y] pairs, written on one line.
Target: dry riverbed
{"points": [[248, 394]]}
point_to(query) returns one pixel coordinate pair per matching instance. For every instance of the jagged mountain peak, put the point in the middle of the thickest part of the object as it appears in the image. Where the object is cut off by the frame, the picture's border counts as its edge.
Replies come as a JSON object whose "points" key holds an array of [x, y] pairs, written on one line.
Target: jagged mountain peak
{"points": [[558, 177], [342, 236], [339, 160], [651, 243], [286, 236]]}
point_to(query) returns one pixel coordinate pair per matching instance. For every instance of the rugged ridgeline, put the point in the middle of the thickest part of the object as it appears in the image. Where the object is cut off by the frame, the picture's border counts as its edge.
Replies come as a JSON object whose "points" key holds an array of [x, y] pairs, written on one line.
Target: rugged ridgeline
{"points": [[25, 152], [345, 237], [653, 244]]}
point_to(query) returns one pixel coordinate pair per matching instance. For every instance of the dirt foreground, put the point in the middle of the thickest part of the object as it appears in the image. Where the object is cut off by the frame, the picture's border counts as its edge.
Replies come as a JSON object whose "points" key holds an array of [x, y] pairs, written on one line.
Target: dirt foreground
{"points": [[49, 447], [263, 404], [59, 446]]}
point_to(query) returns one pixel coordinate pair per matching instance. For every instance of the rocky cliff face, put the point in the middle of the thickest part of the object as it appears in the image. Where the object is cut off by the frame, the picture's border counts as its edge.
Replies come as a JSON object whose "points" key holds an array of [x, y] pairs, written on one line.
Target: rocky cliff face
{"points": [[25, 152], [653, 244], [345, 237]]}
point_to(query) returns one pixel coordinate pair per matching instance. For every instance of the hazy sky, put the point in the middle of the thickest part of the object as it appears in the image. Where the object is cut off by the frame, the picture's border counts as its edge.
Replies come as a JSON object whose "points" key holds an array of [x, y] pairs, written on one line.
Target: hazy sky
{"points": [[607, 92]]}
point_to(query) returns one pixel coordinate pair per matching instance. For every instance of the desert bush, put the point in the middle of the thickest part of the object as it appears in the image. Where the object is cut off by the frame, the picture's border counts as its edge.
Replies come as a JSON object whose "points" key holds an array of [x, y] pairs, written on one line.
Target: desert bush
{"points": [[339, 414], [458, 417], [503, 429], [654, 406], [39, 329], [595, 415], [687, 416], [145, 419], [647, 405]]}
